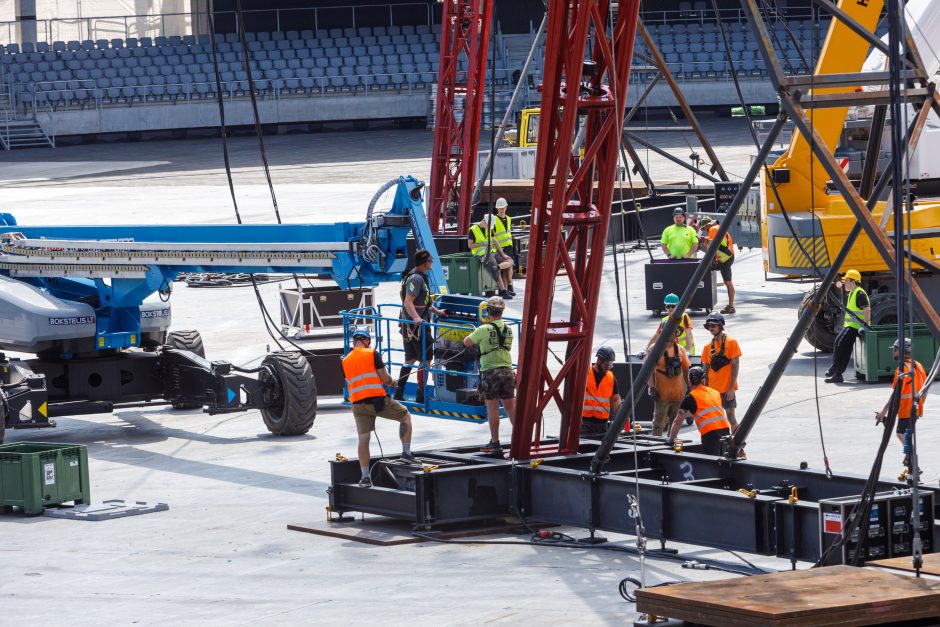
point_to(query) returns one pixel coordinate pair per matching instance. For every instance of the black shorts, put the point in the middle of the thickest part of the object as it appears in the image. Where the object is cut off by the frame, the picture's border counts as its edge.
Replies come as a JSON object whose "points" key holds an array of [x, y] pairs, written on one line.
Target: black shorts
{"points": [[711, 441], [725, 269], [413, 347], [498, 384], [903, 425]]}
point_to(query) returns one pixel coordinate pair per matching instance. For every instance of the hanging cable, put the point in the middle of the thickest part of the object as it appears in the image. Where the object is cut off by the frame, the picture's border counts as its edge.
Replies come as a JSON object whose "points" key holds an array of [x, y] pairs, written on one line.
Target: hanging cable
{"points": [[812, 258], [240, 19], [210, 20]]}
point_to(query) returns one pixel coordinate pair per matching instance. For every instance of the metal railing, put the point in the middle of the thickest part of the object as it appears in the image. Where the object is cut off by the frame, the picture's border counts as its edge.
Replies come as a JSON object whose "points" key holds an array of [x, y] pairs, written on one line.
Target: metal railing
{"points": [[158, 24]]}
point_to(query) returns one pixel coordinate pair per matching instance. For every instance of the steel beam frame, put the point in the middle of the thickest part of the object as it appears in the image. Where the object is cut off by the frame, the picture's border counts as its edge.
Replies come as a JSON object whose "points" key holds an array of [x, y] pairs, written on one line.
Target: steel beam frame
{"points": [[465, 36], [568, 209]]}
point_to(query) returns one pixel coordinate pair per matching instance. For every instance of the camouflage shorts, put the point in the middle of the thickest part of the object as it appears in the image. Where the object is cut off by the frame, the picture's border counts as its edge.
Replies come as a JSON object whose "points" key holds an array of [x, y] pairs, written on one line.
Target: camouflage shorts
{"points": [[498, 384]]}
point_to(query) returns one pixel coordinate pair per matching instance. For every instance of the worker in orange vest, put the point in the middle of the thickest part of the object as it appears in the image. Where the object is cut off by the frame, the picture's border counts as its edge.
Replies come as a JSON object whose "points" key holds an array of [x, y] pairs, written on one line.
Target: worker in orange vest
{"points": [[912, 378], [708, 229], [703, 404], [366, 378], [601, 398]]}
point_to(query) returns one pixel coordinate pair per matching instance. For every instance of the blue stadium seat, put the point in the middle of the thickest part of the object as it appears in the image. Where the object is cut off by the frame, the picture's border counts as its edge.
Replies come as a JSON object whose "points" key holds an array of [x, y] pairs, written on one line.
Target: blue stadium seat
{"points": [[307, 34], [335, 32], [422, 29], [365, 31]]}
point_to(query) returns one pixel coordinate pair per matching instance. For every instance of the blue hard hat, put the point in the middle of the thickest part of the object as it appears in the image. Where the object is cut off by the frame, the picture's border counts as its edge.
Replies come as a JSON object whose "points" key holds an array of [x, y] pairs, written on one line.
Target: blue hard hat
{"points": [[362, 332]]}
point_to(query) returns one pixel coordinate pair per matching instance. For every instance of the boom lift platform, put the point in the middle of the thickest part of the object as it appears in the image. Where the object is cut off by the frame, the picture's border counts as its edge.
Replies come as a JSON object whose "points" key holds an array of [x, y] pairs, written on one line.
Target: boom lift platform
{"points": [[74, 296], [801, 514]]}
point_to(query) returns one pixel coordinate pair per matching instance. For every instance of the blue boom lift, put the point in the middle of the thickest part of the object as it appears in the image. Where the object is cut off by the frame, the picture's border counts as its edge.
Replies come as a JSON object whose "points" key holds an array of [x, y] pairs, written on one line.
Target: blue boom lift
{"points": [[74, 297]]}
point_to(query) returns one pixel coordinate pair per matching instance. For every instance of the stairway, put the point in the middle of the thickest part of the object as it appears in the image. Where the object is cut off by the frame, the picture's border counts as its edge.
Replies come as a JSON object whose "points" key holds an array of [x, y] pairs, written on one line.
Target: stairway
{"points": [[23, 134], [15, 132]]}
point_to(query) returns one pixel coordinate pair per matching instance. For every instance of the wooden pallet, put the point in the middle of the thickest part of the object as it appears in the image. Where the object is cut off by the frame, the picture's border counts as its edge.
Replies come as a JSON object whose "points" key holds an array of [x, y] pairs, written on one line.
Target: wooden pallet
{"points": [[836, 595]]}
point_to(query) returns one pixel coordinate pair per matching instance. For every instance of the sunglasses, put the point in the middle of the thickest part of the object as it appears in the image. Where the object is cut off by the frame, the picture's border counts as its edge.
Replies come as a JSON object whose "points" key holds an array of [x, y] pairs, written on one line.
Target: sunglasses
{"points": [[670, 306], [712, 325]]}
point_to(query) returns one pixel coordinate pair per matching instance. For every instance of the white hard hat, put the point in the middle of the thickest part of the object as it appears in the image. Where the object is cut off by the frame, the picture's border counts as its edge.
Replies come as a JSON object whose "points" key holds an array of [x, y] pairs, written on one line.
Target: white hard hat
{"points": [[488, 220], [501, 202]]}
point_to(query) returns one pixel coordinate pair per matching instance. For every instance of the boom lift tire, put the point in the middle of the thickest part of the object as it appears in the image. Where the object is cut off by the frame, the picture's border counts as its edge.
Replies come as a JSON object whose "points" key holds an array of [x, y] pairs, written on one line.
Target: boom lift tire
{"points": [[290, 398], [188, 341], [826, 326]]}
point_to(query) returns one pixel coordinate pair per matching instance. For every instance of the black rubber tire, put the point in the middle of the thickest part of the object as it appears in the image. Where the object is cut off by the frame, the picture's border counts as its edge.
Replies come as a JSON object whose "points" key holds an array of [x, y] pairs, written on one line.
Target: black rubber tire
{"points": [[188, 341], [290, 398], [822, 333]]}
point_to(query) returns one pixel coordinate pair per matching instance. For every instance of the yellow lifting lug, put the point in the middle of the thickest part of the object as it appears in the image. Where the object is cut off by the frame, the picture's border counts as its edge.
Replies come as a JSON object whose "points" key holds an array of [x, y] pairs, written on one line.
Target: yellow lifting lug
{"points": [[677, 446], [748, 493], [329, 513], [535, 463], [637, 426], [429, 467], [340, 457], [794, 497]]}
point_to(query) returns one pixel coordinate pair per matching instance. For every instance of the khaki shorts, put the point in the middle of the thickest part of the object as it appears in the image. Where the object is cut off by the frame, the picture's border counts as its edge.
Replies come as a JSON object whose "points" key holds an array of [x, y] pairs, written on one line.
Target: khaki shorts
{"points": [[365, 414]]}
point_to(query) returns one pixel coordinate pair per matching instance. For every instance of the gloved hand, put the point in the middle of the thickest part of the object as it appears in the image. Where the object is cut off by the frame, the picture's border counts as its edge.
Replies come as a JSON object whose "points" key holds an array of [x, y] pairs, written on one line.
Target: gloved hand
{"points": [[654, 393]]}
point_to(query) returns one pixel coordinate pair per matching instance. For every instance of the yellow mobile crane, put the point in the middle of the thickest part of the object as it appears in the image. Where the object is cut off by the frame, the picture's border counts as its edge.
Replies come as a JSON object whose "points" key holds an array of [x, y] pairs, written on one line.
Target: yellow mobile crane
{"points": [[795, 198]]}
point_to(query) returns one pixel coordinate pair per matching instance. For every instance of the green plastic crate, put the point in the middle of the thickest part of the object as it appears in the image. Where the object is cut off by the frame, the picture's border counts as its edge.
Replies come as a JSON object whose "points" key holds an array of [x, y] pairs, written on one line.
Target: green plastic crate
{"points": [[465, 274], [35, 475], [873, 361]]}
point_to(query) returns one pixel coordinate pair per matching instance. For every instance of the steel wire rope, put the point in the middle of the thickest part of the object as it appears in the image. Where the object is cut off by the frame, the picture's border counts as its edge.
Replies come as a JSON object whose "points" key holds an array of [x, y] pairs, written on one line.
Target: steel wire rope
{"points": [[620, 95], [812, 208]]}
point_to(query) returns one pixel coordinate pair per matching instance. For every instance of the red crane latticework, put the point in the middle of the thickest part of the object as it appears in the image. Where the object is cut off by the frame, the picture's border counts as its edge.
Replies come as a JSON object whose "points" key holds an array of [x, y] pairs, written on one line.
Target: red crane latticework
{"points": [[465, 35], [571, 207]]}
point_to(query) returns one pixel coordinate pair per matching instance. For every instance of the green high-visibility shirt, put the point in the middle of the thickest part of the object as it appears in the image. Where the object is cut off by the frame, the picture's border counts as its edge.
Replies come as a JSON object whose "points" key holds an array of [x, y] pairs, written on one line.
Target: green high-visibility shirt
{"points": [[679, 240], [491, 355]]}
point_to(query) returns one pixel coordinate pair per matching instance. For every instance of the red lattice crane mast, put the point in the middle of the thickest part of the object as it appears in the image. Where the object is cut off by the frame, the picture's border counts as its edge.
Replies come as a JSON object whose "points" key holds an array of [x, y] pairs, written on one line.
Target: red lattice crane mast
{"points": [[465, 36], [571, 207]]}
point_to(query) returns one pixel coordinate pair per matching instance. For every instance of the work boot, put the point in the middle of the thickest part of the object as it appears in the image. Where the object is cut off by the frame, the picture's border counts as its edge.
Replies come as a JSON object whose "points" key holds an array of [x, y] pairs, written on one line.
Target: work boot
{"points": [[493, 448], [409, 457], [828, 373], [836, 378], [365, 482], [729, 310], [511, 289], [506, 294]]}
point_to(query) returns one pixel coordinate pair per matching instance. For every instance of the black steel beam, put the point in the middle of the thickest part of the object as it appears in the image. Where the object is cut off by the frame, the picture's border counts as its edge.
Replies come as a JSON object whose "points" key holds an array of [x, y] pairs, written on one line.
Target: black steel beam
{"points": [[671, 157]]}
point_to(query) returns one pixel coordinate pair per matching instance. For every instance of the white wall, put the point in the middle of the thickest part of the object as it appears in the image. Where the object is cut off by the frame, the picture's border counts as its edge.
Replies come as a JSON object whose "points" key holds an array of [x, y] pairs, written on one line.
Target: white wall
{"points": [[64, 20]]}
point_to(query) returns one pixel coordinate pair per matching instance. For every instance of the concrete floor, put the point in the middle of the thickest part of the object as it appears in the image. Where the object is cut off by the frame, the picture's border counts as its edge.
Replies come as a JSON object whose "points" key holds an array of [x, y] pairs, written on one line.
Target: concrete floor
{"points": [[222, 553]]}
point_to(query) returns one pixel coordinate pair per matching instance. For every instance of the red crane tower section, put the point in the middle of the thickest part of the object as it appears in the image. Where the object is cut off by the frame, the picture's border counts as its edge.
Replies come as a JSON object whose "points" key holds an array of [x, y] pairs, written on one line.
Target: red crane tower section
{"points": [[571, 207], [465, 36]]}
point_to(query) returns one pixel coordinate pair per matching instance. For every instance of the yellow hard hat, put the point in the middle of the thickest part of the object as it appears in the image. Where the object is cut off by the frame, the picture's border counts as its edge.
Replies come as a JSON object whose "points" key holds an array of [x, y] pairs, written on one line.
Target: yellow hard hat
{"points": [[852, 274]]}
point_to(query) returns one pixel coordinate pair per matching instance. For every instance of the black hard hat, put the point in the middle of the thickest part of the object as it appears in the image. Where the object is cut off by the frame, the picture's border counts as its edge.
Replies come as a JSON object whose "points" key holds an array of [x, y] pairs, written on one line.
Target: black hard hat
{"points": [[678, 211], [606, 353], [715, 318], [696, 375]]}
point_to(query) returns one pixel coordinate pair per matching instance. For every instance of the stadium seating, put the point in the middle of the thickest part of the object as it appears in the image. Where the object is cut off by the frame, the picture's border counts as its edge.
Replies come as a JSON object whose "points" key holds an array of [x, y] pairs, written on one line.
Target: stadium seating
{"points": [[172, 68]]}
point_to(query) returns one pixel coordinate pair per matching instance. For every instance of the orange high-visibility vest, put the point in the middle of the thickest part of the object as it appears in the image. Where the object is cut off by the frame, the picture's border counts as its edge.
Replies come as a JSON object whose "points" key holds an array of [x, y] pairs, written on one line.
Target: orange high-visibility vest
{"points": [[710, 415], [597, 397], [918, 378], [362, 379]]}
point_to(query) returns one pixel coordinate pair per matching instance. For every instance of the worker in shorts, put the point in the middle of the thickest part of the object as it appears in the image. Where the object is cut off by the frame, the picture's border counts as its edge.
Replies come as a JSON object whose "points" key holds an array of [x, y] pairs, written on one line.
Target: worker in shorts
{"points": [[703, 404], [722, 362], [708, 229], [497, 378], [502, 230], [668, 384], [601, 397], [483, 243], [911, 376], [416, 306], [366, 378]]}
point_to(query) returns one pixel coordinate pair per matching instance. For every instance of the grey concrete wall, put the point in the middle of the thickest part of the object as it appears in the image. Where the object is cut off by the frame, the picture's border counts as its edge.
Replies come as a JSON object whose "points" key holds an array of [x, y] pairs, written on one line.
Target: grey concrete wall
{"points": [[161, 116], [703, 93]]}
